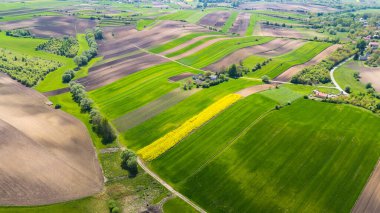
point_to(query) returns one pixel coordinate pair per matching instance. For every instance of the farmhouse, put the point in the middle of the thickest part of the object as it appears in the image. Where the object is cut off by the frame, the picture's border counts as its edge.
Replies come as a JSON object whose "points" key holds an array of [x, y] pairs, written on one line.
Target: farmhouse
{"points": [[322, 95], [373, 45]]}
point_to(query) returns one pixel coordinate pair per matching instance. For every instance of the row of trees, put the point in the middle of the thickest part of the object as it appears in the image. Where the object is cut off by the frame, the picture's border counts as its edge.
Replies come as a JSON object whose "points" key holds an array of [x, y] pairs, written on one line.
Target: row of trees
{"points": [[319, 73], [100, 124], [86, 56], [19, 33]]}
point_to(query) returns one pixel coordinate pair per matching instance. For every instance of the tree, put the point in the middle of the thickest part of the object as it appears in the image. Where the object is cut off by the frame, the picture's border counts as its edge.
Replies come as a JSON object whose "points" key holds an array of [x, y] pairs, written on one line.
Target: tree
{"points": [[347, 89], [233, 72], [265, 79], [361, 45], [66, 78], [107, 132], [86, 104], [368, 86], [129, 162]]}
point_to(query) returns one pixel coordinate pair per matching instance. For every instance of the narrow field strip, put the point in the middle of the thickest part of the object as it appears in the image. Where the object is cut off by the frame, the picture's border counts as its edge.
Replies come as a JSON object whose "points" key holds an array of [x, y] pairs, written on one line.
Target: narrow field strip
{"points": [[152, 109], [189, 47], [166, 142], [175, 42], [220, 49], [251, 26], [230, 21]]}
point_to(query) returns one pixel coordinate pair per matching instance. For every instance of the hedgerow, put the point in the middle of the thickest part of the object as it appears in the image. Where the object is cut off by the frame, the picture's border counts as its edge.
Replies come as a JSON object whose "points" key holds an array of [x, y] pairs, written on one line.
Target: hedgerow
{"points": [[66, 46]]}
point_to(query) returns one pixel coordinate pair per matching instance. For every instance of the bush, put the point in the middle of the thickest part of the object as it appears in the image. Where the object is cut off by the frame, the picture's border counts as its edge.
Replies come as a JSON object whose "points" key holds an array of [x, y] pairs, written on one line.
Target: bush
{"points": [[66, 46], [265, 79], [129, 162], [347, 89], [57, 106]]}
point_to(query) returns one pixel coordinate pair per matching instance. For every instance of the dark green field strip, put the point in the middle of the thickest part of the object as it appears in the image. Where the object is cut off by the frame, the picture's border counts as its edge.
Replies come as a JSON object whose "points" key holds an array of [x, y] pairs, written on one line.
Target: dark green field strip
{"points": [[138, 89], [176, 42], [307, 157], [299, 56], [152, 109], [177, 164], [191, 46], [221, 49], [152, 129]]}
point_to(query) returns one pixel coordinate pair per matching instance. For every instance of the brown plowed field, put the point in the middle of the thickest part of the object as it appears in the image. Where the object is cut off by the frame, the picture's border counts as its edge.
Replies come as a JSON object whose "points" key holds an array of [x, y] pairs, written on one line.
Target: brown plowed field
{"points": [[48, 26], [241, 24], [254, 89], [369, 200], [215, 19], [47, 155], [286, 7], [288, 74], [181, 76], [277, 47], [368, 75], [268, 30]]}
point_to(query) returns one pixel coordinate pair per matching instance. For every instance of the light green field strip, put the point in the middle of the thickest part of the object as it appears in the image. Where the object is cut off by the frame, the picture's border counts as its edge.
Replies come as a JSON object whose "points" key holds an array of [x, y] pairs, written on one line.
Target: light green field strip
{"points": [[176, 205], [252, 60], [143, 23], [152, 109], [27, 16], [299, 56], [230, 21], [137, 89], [258, 170], [191, 46], [176, 42], [176, 115], [221, 49], [344, 75], [251, 26]]}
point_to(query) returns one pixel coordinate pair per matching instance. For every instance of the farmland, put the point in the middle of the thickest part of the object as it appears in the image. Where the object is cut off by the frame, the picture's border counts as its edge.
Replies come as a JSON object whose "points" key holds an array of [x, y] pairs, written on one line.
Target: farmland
{"points": [[189, 106]]}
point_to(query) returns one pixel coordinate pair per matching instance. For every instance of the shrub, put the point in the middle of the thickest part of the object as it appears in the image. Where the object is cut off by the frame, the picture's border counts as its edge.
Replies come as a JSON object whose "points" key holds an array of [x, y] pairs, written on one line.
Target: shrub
{"points": [[57, 106], [66, 46], [129, 162], [265, 79]]}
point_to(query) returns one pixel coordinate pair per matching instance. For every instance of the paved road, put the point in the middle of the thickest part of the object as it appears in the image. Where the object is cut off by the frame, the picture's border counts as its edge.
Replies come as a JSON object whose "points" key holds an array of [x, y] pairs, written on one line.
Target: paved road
{"points": [[166, 185], [332, 75]]}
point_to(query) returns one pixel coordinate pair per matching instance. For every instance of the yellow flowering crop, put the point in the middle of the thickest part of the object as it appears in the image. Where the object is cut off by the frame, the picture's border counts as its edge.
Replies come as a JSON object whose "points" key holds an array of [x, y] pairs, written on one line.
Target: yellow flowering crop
{"points": [[166, 142]]}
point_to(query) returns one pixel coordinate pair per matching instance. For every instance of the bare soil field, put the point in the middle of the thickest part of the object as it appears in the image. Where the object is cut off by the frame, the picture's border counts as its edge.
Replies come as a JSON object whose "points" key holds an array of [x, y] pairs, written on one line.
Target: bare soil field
{"points": [[181, 76], [288, 74], [47, 155], [368, 75], [48, 26], [274, 31], [215, 19], [369, 200], [254, 89], [286, 7], [273, 48], [241, 23], [122, 41]]}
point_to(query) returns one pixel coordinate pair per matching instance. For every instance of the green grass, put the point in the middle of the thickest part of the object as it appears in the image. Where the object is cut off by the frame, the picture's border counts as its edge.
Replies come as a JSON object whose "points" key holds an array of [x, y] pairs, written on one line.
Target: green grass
{"points": [[252, 60], [171, 44], [69, 106], [27, 16], [111, 164], [83, 45], [178, 163], [191, 46], [230, 21], [135, 90], [176, 205], [143, 23], [181, 15], [251, 26], [90, 204], [221, 49], [281, 63], [344, 76], [156, 127], [309, 156]]}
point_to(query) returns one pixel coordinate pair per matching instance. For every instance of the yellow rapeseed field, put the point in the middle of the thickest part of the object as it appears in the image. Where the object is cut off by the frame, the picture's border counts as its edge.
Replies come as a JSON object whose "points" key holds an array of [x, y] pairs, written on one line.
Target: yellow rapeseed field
{"points": [[166, 142]]}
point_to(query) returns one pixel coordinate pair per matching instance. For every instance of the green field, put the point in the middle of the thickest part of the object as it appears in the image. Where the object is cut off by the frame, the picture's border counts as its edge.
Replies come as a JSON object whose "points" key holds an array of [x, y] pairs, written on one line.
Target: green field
{"points": [[252, 60], [179, 113], [171, 44], [344, 76], [230, 21], [281, 63], [137, 89], [221, 49], [264, 163], [191, 46], [143, 23], [175, 205], [251, 26]]}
